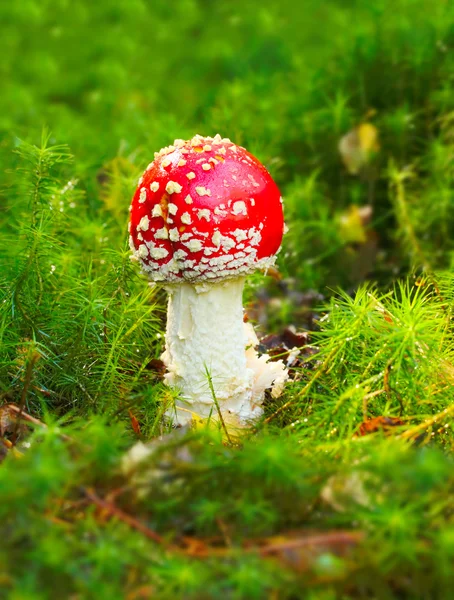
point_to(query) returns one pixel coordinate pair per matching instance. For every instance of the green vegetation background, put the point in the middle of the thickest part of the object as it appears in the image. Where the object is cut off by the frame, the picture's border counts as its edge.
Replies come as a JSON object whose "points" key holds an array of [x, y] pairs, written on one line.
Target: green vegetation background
{"points": [[89, 90]]}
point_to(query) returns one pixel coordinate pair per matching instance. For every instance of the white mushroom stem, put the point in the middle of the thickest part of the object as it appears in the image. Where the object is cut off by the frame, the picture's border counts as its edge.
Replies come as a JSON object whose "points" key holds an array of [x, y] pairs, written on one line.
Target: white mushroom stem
{"points": [[210, 351]]}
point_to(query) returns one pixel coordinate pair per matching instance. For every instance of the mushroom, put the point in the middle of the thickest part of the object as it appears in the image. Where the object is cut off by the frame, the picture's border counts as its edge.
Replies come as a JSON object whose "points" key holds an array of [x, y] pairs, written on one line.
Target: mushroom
{"points": [[206, 213]]}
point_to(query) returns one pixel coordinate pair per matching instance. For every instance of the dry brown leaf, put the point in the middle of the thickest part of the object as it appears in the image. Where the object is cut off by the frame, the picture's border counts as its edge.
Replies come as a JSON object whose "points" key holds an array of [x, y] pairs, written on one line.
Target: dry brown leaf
{"points": [[134, 422], [290, 346], [377, 424]]}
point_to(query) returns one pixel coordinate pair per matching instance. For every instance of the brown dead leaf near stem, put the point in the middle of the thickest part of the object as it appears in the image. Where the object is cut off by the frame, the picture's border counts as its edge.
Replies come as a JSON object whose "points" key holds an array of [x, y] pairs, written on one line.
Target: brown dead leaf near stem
{"points": [[290, 346], [157, 367], [378, 424]]}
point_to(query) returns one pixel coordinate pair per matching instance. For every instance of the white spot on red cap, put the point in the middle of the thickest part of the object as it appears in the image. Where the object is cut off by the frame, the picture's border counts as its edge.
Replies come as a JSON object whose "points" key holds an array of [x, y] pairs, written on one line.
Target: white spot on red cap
{"points": [[143, 195], [227, 243], [239, 207], [194, 245], [158, 253], [197, 140], [203, 191], [254, 236], [172, 208], [142, 251], [186, 218], [173, 187], [162, 234], [144, 224], [216, 238], [206, 166], [240, 235], [190, 175], [157, 211], [204, 213], [154, 186], [174, 235], [179, 255]]}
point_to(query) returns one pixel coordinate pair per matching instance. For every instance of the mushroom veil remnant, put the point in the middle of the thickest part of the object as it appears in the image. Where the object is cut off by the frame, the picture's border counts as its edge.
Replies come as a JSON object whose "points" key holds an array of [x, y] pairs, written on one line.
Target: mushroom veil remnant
{"points": [[205, 214]]}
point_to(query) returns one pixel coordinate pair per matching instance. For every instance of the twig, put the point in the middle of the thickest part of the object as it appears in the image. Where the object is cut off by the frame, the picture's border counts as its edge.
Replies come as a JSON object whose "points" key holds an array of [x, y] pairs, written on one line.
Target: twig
{"points": [[199, 549], [122, 516], [21, 414], [428, 423], [332, 538]]}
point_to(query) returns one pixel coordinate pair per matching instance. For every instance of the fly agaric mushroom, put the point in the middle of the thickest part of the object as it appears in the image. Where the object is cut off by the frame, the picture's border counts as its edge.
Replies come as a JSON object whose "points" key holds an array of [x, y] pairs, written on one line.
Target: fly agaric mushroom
{"points": [[205, 214]]}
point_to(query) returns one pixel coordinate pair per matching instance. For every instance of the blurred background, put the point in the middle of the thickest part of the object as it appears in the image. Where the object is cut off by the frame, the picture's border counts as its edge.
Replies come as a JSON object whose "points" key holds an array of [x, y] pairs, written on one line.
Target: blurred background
{"points": [[116, 80], [349, 104]]}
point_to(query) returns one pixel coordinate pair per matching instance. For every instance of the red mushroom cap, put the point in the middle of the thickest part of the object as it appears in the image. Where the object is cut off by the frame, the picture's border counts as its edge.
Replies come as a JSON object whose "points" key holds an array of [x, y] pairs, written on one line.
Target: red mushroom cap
{"points": [[205, 210]]}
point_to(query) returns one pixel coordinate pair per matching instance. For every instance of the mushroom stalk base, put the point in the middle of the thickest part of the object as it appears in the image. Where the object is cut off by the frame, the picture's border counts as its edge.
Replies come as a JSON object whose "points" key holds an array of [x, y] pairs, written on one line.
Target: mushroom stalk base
{"points": [[210, 357]]}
